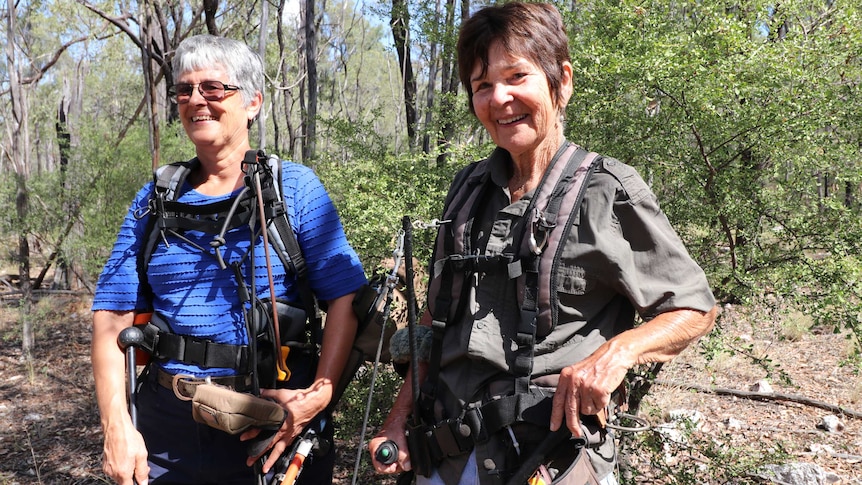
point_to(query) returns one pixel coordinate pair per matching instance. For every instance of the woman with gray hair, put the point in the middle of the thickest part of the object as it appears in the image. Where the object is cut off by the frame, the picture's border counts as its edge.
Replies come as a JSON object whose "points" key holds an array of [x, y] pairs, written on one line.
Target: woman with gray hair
{"points": [[196, 292]]}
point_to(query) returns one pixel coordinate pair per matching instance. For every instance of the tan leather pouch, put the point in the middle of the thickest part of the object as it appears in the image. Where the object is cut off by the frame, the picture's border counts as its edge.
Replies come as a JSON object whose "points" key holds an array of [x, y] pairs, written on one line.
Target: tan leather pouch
{"points": [[234, 412]]}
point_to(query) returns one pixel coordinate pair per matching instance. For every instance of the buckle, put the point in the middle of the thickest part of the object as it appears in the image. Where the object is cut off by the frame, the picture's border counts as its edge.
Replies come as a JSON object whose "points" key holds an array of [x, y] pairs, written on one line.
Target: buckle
{"points": [[189, 387]]}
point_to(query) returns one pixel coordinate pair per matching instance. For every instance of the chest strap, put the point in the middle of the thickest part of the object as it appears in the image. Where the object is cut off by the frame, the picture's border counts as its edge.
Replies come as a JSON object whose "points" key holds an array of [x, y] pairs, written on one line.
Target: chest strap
{"points": [[569, 185]]}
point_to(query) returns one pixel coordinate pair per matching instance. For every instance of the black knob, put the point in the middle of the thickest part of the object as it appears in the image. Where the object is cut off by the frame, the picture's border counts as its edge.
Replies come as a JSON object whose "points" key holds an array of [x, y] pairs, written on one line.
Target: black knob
{"points": [[387, 452], [130, 336]]}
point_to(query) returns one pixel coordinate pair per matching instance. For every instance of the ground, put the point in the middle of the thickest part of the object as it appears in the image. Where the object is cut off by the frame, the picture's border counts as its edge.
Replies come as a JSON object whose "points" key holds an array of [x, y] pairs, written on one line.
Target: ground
{"points": [[50, 434]]}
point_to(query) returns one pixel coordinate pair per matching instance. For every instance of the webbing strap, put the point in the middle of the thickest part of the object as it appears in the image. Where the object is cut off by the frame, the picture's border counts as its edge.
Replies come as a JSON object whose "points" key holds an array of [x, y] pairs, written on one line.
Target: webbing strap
{"points": [[443, 302], [288, 249], [163, 345], [559, 172], [533, 406]]}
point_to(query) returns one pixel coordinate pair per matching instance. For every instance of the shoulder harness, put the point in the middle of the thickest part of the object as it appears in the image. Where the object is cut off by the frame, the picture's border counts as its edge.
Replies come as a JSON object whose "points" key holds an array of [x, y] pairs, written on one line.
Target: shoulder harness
{"points": [[167, 216], [552, 211]]}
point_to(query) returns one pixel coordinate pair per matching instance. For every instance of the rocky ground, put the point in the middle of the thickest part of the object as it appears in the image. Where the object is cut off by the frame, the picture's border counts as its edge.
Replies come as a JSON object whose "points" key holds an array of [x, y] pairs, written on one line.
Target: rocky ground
{"points": [[49, 428]]}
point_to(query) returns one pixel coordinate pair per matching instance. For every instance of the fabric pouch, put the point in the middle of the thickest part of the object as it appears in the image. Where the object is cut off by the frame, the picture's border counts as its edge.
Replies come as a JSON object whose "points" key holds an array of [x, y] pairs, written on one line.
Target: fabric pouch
{"points": [[579, 472], [234, 412]]}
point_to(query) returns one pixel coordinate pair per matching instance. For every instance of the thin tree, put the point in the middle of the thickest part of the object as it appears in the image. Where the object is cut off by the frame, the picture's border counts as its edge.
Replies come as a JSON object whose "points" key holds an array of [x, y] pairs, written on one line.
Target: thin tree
{"points": [[433, 62], [400, 25], [18, 153], [309, 118], [261, 49]]}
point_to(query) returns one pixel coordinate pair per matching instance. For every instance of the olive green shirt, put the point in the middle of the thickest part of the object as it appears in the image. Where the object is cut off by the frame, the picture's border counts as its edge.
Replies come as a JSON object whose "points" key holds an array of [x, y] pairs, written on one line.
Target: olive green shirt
{"points": [[621, 256]]}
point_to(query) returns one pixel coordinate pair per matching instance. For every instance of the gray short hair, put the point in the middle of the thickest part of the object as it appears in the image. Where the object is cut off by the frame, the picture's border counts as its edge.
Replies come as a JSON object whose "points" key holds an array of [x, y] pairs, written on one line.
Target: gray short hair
{"points": [[242, 65]]}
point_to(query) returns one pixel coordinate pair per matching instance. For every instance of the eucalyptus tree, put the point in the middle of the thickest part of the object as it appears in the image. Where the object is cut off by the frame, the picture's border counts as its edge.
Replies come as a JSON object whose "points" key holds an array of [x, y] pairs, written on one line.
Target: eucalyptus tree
{"points": [[399, 22]]}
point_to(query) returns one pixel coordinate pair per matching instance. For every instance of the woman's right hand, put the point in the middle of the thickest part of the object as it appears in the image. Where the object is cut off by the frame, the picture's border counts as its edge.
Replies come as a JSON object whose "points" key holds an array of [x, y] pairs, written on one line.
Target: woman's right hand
{"points": [[402, 463], [124, 457]]}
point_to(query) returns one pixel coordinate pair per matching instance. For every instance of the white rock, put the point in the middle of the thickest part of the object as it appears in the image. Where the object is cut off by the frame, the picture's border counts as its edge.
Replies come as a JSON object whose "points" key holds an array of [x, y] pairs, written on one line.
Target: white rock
{"points": [[821, 449], [761, 386], [799, 474], [831, 423], [733, 423]]}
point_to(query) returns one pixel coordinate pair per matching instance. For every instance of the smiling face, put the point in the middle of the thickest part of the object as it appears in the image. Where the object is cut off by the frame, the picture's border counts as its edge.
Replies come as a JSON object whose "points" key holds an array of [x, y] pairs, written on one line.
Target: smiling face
{"points": [[513, 101], [216, 125]]}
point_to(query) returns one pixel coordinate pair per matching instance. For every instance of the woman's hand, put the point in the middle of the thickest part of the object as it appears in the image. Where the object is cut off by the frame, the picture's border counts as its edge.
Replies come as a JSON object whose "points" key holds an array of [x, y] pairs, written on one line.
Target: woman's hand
{"points": [[586, 387], [394, 431], [302, 405], [124, 455], [124, 451]]}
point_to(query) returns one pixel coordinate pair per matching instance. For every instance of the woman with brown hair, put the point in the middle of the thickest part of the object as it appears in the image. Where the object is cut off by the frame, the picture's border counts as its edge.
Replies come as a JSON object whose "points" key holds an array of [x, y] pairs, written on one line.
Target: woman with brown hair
{"points": [[536, 280]]}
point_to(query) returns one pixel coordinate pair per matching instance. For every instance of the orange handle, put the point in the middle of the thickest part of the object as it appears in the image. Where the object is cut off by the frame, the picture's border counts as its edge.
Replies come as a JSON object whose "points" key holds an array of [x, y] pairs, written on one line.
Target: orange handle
{"points": [[302, 450], [293, 470]]}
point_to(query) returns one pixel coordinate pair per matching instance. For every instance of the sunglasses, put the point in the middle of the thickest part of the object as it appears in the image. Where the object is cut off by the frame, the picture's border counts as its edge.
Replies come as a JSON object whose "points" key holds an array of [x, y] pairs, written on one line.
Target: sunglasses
{"points": [[210, 90]]}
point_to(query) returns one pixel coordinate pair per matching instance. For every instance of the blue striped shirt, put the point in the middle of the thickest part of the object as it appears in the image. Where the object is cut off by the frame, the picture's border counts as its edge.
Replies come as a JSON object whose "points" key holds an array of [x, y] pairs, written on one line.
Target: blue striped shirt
{"points": [[200, 299]]}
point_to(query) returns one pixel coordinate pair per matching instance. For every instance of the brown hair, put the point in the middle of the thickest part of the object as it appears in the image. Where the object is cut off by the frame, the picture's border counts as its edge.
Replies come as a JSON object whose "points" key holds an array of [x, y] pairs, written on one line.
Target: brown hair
{"points": [[532, 30]]}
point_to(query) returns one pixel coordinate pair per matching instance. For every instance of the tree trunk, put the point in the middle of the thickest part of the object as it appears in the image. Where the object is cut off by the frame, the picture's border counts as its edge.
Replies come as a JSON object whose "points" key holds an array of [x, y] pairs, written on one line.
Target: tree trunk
{"points": [[261, 51], [64, 142], [147, 25], [400, 24], [449, 78], [210, 9], [19, 153], [22, 208], [432, 79], [287, 97], [309, 138]]}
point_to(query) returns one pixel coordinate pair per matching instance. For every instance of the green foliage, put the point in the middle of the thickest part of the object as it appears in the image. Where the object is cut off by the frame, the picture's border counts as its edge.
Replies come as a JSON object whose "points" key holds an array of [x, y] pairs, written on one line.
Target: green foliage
{"points": [[372, 197], [742, 120]]}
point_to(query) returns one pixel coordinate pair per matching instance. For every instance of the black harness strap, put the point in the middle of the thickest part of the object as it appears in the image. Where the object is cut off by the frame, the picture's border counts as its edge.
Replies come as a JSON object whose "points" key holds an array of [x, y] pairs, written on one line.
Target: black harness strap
{"points": [[163, 345], [167, 216], [284, 239], [443, 302]]}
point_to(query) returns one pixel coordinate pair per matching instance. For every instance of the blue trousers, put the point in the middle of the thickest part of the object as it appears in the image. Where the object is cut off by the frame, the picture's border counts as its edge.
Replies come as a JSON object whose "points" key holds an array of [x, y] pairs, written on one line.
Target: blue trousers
{"points": [[182, 451]]}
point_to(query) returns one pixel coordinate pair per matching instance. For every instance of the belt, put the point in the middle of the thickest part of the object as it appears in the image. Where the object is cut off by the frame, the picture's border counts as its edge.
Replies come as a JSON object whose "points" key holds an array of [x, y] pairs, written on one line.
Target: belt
{"points": [[184, 385]]}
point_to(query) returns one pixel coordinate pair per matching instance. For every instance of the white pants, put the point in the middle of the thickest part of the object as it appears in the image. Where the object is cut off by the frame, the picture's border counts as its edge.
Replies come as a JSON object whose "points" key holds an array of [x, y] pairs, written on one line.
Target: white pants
{"points": [[470, 476]]}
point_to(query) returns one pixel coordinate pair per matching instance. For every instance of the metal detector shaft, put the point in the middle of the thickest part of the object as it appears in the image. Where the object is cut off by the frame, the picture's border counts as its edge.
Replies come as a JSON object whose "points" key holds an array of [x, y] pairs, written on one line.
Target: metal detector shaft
{"points": [[129, 340], [407, 226]]}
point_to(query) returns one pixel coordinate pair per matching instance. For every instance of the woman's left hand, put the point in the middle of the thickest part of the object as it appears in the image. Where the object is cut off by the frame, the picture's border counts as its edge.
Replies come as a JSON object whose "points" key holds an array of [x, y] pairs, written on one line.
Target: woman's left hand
{"points": [[585, 388], [302, 405]]}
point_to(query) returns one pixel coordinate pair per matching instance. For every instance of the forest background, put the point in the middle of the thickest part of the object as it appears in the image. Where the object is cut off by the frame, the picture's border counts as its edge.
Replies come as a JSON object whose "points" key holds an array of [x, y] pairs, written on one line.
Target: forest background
{"points": [[743, 116]]}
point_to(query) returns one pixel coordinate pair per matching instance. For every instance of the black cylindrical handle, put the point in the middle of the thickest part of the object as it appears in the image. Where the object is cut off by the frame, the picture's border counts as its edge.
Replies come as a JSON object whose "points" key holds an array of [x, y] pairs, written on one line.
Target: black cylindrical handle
{"points": [[387, 452]]}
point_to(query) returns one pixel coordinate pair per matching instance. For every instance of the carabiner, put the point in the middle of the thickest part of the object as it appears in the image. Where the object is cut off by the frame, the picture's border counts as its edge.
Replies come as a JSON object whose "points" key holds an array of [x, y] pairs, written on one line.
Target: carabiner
{"points": [[538, 219]]}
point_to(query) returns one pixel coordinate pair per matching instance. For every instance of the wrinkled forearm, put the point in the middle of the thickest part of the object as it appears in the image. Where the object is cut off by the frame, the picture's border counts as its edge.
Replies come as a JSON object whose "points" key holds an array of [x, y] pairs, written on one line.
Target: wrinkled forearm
{"points": [[662, 338]]}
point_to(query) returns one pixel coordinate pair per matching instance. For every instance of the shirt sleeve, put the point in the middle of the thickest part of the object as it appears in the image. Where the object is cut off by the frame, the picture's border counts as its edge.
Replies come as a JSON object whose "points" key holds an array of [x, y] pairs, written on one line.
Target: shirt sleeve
{"points": [[642, 257], [334, 268], [119, 287]]}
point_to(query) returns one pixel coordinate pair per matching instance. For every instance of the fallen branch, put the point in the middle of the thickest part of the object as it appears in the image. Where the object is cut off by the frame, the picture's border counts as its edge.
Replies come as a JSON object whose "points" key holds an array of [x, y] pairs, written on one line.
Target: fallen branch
{"points": [[763, 396]]}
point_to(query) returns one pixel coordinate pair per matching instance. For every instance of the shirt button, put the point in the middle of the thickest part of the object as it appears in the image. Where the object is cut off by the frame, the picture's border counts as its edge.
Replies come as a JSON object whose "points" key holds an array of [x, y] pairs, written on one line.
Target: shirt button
{"points": [[489, 464]]}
